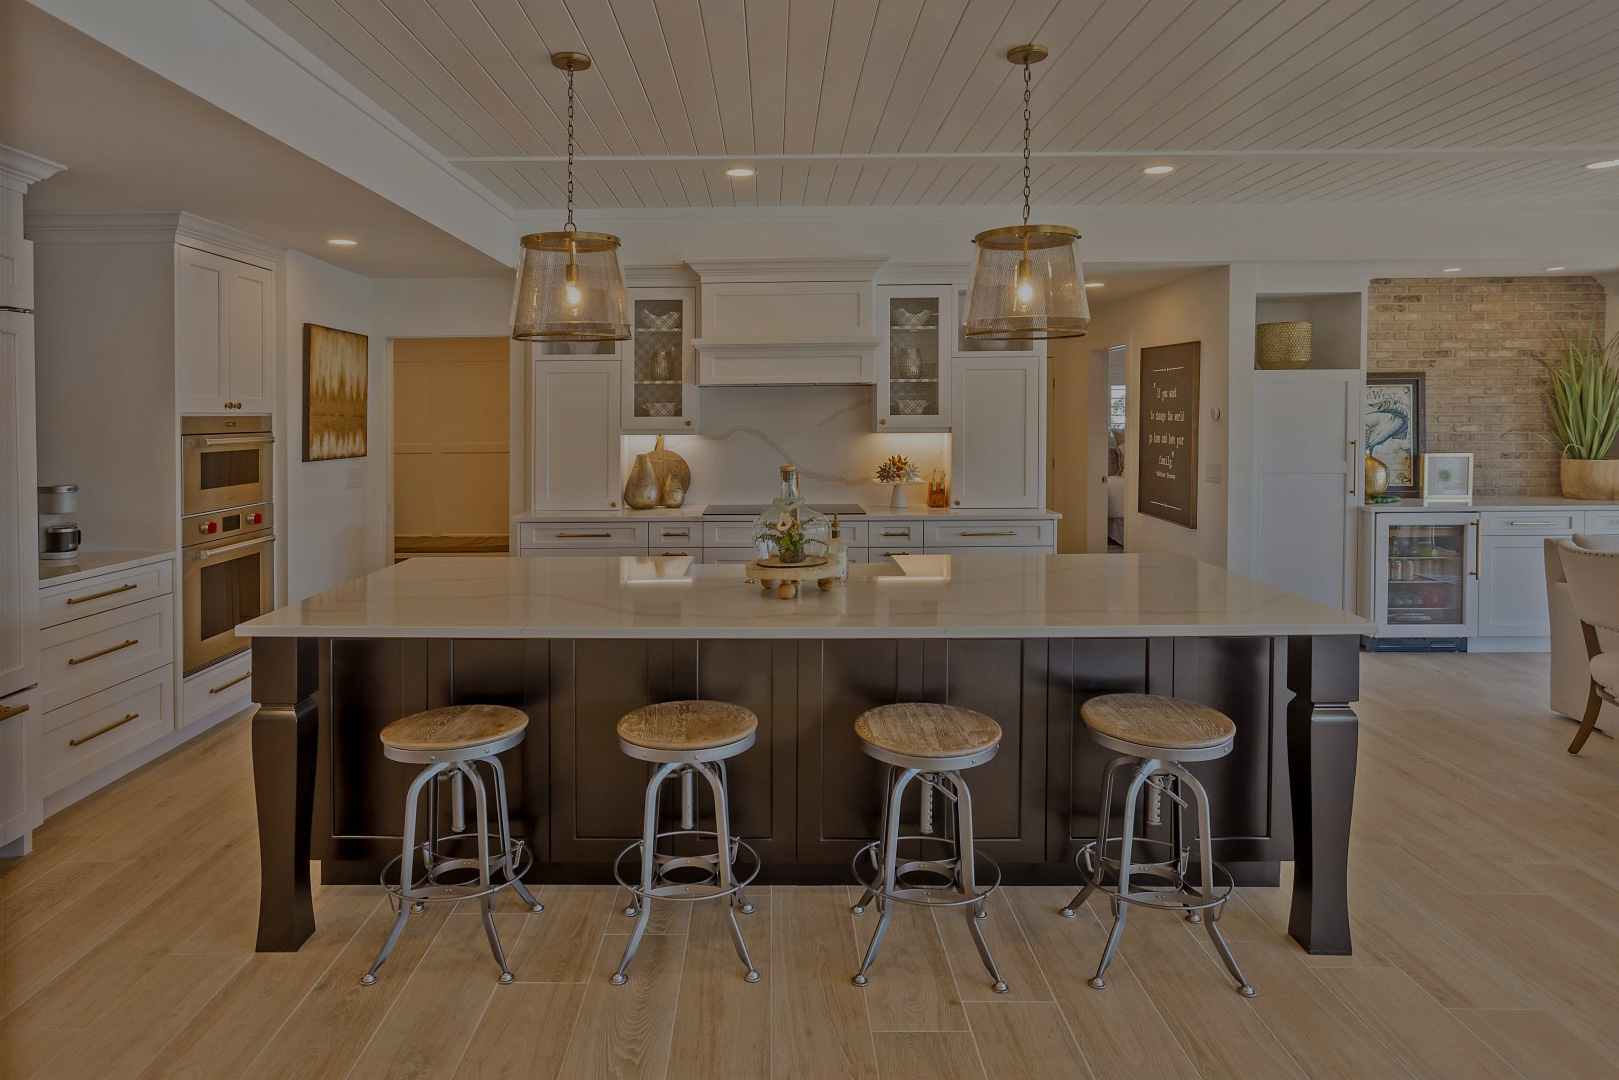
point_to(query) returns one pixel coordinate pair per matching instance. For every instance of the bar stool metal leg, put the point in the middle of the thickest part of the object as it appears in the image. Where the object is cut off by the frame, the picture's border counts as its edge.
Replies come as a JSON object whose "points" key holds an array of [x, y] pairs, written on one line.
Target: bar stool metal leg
{"points": [[1121, 907], [869, 894], [1104, 818], [889, 877], [722, 829], [1205, 854], [481, 797], [743, 904], [649, 863], [967, 877], [407, 874], [509, 846]]}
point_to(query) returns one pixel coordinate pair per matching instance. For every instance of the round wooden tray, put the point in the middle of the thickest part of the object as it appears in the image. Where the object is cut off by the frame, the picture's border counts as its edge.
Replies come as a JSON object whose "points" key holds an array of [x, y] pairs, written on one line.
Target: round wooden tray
{"points": [[785, 579], [806, 563]]}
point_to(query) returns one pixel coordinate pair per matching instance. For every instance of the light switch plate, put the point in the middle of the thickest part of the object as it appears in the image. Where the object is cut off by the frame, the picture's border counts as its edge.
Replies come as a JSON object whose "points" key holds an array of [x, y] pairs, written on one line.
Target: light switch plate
{"points": [[356, 478], [1214, 472]]}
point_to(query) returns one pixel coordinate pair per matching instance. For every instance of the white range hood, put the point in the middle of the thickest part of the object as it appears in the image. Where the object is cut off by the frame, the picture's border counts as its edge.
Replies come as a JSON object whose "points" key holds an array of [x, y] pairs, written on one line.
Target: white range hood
{"points": [[785, 322]]}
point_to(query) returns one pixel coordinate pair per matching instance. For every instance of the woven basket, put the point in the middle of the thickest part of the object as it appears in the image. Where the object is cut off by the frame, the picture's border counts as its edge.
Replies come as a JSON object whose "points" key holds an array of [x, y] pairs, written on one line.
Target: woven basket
{"points": [[1282, 346]]}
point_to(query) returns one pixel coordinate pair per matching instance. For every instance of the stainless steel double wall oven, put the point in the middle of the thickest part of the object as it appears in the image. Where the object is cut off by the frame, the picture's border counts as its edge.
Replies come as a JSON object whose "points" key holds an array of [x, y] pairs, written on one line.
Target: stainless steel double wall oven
{"points": [[227, 532]]}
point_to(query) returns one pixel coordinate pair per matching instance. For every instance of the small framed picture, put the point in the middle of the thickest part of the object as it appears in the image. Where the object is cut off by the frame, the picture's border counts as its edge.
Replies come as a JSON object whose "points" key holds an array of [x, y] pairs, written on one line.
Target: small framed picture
{"points": [[1447, 478]]}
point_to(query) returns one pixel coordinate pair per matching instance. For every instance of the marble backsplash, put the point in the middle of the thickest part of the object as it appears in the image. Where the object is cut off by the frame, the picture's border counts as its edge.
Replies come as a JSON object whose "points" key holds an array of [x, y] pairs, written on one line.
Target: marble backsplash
{"points": [[745, 434]]}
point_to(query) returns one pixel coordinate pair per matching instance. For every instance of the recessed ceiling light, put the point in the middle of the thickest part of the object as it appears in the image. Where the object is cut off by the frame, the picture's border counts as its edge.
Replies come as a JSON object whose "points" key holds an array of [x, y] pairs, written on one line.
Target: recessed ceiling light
{"points": [[338, 241], [1158, 170], [739, 172], [1554, 269], [1095, 284], [1453, 269], [1610, 164]]}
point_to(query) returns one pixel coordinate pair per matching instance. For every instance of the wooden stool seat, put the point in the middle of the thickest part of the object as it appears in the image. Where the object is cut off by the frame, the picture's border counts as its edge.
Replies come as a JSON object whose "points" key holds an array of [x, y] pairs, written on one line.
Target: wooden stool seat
{"points": [[1152, 720], [458, 727], [919, 729], [687, 725]]}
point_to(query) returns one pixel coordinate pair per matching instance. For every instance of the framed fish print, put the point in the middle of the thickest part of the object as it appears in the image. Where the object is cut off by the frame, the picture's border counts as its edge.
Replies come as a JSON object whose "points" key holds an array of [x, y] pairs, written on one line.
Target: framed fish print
{"points": [[1393, 427]]}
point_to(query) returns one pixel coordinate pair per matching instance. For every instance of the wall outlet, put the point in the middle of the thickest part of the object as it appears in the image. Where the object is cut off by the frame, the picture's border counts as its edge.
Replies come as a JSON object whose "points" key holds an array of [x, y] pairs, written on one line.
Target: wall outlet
{"points": [[1214, 472], [355, 479]]}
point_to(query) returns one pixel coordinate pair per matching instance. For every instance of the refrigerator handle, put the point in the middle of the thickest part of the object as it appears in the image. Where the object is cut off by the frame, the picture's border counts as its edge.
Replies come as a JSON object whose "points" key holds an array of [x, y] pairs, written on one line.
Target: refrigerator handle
{"points": [[1354, 465], [1478, 550]]}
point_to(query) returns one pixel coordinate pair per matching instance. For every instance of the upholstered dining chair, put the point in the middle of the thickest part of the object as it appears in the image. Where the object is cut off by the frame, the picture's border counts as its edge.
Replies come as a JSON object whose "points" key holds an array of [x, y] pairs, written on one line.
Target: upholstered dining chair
{"points": [[1593, 586]]}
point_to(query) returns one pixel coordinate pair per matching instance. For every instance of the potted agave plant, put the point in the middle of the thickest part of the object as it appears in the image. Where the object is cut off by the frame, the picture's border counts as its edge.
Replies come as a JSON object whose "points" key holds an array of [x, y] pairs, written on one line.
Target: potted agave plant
{"points": [[1582, 395]]}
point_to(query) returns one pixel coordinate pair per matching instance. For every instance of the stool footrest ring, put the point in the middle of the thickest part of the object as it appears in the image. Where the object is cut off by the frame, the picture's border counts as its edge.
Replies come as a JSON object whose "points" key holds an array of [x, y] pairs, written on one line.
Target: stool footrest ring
{"points": [[702, 888], [1182, 896], [430, 890], [868, 871]]}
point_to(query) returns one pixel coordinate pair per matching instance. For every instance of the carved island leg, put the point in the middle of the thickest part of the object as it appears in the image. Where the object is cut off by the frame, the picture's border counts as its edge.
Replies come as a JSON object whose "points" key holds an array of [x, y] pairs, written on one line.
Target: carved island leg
{"points": [[1322, 735], [284, 746]]}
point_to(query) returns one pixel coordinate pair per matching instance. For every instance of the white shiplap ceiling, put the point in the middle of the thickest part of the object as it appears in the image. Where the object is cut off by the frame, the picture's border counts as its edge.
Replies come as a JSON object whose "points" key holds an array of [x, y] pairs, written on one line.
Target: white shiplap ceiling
{"points": [[911, 102]]}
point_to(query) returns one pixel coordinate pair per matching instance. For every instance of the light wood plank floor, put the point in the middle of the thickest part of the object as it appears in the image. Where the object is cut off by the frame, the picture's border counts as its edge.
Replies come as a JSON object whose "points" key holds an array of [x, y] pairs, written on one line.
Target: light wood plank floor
{"points": [[1485, 881]]}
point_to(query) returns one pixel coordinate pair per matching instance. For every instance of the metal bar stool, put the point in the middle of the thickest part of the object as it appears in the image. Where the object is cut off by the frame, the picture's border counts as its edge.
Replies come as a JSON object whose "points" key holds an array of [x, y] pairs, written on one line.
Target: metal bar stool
{"points": [[1155, 735], [687, 740], [930, 744], [452, 743]]}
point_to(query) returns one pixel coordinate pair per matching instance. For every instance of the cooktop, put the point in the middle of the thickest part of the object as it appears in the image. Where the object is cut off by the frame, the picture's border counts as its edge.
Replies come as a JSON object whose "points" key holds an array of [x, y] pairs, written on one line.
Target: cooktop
{"points": [[738, 510]]}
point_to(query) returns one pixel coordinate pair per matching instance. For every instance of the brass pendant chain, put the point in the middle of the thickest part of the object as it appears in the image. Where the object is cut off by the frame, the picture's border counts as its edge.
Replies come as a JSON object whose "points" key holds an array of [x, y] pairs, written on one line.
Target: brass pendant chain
{"points": [[1026, 129], [571, 227]]}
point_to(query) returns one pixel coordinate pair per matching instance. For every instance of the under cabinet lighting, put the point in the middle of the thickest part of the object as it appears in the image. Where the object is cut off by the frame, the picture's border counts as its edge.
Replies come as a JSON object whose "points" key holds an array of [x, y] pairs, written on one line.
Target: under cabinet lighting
{"points": [[1611, 164], [1453, 269], [1095, 284], [1158, 170], [338, 241], [740, 172], [1554, 269]]}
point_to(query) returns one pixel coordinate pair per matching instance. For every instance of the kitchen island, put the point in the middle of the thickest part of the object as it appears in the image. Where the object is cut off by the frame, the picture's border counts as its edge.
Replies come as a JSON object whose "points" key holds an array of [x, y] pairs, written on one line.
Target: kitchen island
{"points": [[577, 642]]}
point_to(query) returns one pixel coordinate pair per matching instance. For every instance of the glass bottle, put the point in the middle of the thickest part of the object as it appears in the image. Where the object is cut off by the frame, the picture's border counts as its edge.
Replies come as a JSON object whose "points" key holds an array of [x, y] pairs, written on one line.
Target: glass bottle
{"points": [[789, 531], [837, 550]]}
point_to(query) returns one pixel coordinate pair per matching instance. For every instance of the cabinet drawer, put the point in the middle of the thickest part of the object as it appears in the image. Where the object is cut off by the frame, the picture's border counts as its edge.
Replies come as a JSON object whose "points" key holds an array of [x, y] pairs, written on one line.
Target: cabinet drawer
{"points": [[733, 555], [879, 533], [226, 685], [989, 533], [882, 552], [728, 534], [661, 534], [1601, 521], [978, 549], [614, 535], [105, 727], [578, 552], [91, 596], [79, 658], [1530, 522]]}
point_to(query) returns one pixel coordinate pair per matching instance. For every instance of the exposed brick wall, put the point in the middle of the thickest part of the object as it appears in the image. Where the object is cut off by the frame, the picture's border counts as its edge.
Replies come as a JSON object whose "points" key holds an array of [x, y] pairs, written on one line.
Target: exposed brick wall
{"points": [[1480, 341]]}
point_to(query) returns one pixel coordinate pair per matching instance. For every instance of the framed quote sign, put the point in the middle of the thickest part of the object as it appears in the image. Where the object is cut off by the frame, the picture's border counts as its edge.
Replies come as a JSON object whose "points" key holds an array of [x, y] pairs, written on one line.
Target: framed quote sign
{"points": [[1166, 433]]}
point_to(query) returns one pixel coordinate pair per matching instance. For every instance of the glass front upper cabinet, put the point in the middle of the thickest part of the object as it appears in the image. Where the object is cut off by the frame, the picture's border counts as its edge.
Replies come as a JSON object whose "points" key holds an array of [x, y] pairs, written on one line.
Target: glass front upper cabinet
{"points": [[913, 380], [659, 379]]}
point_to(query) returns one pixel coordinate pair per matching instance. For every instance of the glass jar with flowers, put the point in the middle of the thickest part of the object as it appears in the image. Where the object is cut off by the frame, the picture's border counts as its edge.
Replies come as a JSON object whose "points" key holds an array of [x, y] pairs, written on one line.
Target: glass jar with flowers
{"points": [[789, 531]]}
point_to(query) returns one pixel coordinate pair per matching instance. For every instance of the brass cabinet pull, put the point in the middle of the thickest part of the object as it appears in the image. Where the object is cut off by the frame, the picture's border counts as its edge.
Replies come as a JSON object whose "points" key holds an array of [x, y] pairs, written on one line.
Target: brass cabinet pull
{"points": [[990, 532], [123, 588], [7, 712], [668, 554], [584, 535], [898, 532], [1549, 524], [896, 553], [669, 533], [226, 686], [82, 739], [102, 652]]}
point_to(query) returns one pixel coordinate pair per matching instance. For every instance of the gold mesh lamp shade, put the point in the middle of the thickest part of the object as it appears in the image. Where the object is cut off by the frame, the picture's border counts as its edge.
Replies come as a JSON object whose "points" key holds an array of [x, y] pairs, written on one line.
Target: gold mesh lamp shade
{"points": [[569, 287], [1027, 284]]}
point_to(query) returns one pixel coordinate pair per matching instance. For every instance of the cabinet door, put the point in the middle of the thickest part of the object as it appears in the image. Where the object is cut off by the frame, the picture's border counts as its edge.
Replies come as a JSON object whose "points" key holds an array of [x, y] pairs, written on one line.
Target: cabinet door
{"points": [[574, 428], [249, 336], [997, 432], [660, 378], [1512, 587], [1309, 472], [913, 380], [19, 543], [199, 329], [1425, 574], [21, 793]]}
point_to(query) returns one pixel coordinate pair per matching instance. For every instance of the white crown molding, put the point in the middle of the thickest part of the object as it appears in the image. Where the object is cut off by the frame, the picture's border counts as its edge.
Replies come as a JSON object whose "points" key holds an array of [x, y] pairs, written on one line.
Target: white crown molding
{"points": [[19, 169], [659, 276], [163, 228], [846, 268]]}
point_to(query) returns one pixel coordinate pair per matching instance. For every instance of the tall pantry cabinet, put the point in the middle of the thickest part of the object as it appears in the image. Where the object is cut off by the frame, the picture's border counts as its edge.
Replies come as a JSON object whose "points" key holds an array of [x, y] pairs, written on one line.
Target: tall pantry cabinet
{"points": [[21, 793]]}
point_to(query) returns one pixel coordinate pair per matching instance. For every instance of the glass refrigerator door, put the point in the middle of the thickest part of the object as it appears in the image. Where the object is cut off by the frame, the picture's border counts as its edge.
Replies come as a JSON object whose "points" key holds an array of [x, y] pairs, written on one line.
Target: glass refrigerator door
{"points": [[1427, 574]]}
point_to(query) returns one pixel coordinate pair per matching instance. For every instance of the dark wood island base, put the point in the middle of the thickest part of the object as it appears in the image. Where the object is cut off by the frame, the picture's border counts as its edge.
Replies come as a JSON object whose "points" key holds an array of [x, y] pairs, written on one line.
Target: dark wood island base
{"points": [[804, 796]]}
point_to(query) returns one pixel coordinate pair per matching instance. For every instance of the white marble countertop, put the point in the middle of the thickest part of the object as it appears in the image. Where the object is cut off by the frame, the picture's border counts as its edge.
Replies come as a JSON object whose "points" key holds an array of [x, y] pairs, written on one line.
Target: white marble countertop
{"points": [[1492, 502], [88, 563], [915, 596], [694, 511]]}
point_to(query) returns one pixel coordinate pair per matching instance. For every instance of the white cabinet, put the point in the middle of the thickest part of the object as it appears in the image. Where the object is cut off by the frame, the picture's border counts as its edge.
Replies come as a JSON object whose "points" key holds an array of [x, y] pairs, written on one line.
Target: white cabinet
{"points": [[19, 566], [1307, 479], [224, 332], [1512, 587], [913, 376], [574, 427], [997, 431], [659, 373]]}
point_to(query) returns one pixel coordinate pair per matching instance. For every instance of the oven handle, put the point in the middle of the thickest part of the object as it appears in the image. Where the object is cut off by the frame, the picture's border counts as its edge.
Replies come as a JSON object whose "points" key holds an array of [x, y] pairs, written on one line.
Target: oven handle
{"points": [[234, 440], [208, 553]]}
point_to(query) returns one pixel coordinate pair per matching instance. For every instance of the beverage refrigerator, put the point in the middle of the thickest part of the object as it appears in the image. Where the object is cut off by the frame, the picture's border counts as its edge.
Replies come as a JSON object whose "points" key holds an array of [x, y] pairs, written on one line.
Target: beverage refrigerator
{"points": [[1420, 579]]}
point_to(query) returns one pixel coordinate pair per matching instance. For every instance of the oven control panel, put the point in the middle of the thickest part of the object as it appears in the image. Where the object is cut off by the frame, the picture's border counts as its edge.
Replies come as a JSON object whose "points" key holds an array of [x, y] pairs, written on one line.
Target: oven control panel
{"points": [[201, 528]]}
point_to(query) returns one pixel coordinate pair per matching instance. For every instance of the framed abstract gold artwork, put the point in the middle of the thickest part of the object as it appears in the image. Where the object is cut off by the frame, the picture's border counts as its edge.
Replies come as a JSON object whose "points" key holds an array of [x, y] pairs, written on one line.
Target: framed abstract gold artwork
{"points": [[335, 393]]}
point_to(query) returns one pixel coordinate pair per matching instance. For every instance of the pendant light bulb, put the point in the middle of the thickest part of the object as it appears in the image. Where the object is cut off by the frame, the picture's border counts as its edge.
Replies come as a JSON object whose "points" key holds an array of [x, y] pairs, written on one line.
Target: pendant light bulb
{"points": [[571, 279], [1025, 283]]}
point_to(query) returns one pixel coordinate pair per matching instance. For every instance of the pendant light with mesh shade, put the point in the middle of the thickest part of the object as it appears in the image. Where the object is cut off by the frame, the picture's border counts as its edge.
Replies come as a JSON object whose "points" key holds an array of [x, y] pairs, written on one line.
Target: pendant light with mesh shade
{"points": [[1028, 284], [569, 287]]}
